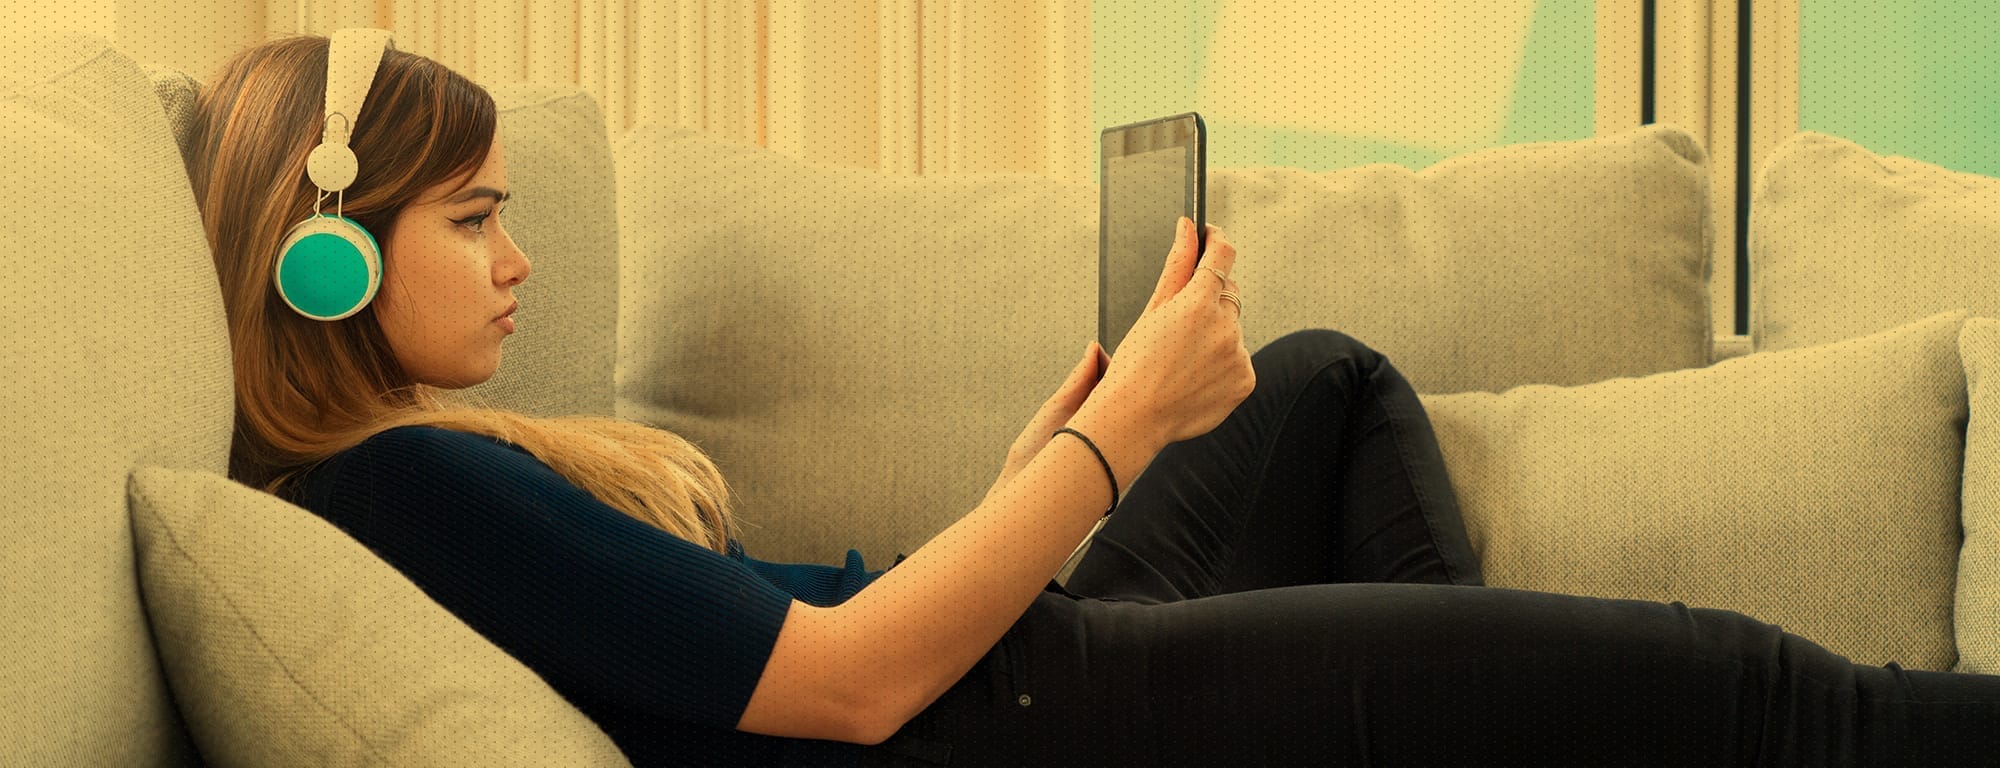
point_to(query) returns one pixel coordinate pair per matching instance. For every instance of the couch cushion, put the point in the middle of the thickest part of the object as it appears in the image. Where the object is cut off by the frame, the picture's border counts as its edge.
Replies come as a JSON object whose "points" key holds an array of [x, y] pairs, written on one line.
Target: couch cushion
{"points": [[1816, 488], [289, 643], [1845, 242], [1976, 609], [857, 349], [179, 94], [115, 354], [1550, 263], [562, 215]]}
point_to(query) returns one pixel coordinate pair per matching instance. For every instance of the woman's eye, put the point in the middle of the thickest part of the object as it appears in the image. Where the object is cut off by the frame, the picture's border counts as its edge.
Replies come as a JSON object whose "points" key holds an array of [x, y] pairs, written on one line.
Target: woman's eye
{"points": [[474, 223]]}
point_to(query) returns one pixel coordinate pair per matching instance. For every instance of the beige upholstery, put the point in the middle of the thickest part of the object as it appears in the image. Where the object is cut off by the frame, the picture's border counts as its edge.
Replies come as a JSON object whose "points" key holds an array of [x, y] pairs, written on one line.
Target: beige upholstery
{"points": [[115, 355], [1547, 263], [1814, 488], [559, 361], [1976, 604], [857, 349], [1845, 242]]}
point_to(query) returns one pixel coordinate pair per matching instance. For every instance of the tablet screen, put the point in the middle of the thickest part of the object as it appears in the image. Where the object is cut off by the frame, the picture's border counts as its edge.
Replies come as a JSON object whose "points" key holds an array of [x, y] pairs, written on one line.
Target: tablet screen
{"points": [[1151, 174]]}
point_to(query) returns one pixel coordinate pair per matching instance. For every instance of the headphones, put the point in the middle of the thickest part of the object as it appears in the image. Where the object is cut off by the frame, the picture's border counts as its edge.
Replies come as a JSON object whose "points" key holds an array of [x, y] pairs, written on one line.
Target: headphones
{"points": [[329, 266]]}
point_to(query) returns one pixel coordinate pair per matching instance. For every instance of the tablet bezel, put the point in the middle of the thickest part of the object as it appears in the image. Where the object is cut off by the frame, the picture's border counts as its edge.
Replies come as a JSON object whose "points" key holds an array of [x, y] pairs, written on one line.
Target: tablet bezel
{"points": [[1116, 142]]}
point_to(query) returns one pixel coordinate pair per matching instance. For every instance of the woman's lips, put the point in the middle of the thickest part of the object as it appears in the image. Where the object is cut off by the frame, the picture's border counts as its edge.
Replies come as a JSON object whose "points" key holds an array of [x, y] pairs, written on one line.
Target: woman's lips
{"points": [[506, 319]]}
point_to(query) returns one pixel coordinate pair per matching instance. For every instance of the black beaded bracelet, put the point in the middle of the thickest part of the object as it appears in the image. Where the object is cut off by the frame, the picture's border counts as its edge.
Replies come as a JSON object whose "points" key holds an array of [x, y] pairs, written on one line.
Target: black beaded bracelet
{"points": [[1101, 460]]}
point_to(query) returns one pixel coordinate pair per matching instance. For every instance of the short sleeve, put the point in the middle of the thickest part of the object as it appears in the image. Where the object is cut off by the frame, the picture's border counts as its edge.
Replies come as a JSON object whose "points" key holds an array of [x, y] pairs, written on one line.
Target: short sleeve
{"points": [[620, 617]]}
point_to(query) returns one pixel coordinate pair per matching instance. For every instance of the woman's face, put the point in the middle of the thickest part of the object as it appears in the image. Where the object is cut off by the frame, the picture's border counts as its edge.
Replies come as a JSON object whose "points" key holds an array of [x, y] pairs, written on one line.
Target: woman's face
{"points": [[449, 272]]}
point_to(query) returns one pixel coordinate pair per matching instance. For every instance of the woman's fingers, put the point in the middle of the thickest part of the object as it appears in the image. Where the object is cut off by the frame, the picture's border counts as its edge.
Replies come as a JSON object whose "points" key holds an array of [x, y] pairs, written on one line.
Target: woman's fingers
{"points": [[1221, 256], [1182, 266], [1180, 261]]}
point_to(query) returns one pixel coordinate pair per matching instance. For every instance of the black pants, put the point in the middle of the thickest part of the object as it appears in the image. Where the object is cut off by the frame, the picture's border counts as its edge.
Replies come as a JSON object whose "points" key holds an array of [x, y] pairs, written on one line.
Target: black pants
{"points": [[1296, 586]]}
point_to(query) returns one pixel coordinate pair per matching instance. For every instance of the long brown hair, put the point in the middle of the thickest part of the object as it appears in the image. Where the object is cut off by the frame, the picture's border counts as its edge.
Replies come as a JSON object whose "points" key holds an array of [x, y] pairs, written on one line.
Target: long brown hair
{"points": [[307, 389]]}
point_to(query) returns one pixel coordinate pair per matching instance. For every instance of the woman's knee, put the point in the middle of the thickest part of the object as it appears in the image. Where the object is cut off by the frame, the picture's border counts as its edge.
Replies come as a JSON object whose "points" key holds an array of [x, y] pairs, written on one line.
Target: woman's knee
{"points": [[1316, 358], [1315, 349]]}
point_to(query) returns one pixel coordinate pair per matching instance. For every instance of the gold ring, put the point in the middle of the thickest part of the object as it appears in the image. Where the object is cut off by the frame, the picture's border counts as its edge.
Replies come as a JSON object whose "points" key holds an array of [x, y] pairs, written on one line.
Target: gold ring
{"points": [[1230, 296], [1218, 273]]}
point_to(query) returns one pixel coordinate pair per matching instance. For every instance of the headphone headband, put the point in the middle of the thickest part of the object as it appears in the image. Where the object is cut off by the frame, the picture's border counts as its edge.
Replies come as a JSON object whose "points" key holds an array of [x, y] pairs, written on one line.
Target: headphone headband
{"points": [[352, 56], [330, 266]]}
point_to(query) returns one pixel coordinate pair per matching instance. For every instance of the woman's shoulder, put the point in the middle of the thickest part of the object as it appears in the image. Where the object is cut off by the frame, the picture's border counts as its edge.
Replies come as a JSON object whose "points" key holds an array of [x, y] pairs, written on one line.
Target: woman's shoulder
{"points": [[436, 454], [415, 436], [427, 451]]}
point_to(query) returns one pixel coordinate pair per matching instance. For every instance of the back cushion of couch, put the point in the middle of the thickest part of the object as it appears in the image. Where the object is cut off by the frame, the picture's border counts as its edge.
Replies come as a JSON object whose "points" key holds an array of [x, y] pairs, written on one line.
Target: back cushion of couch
{"points": [[857, 349], [1845, 242], [1557, 263], [560, 172], [115, 355]]}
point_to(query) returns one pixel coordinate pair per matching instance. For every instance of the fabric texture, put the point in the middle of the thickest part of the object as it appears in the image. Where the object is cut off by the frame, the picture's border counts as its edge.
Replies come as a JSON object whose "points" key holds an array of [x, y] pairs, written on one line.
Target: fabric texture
{"points": [[178, 92], [1847, 242], [289, 643], [1976, 603], [1814, 488], [559, 361], [793, 319], [114, 355], [658, 640]]}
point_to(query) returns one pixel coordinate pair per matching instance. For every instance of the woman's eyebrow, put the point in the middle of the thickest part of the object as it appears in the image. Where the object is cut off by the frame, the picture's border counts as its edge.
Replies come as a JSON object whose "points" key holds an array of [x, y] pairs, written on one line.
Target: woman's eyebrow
{"points": [[497, 195]]}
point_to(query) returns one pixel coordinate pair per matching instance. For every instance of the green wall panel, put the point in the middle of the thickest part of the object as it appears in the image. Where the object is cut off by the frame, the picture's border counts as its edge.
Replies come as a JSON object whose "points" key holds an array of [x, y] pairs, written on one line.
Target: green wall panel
{"points": [[1905, 77]]}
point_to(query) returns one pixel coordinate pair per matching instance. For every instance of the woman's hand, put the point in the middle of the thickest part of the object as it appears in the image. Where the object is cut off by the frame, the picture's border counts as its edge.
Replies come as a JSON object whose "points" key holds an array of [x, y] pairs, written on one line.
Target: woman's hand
{"points": [[1182, 368], [1055, 413]]}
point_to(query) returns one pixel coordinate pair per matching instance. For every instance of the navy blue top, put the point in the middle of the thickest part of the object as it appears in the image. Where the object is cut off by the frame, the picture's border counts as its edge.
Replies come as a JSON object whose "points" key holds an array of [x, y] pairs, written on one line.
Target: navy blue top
{"points": [[657, 640]]}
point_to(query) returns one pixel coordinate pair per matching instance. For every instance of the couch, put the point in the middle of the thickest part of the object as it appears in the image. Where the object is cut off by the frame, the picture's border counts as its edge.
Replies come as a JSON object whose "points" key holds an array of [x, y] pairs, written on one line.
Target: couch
{"points": [[856, 350]]}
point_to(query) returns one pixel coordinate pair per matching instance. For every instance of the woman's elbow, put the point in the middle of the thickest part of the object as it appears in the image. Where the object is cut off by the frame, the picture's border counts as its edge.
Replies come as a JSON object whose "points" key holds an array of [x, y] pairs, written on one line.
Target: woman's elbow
{"points": [[810, 690]]}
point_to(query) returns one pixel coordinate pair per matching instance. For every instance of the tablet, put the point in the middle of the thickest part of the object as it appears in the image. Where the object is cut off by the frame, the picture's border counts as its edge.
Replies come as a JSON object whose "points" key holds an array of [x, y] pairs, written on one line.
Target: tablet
{"points": [[1150, 174]]}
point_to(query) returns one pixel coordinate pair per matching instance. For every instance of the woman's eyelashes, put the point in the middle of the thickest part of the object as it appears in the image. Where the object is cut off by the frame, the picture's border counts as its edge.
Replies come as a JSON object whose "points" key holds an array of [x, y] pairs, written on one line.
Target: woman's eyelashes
{"points": [[477, 222]]}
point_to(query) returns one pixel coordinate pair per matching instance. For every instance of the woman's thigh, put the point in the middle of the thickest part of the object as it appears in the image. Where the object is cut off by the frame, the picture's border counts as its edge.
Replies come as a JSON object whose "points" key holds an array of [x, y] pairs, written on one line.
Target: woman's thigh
{"points": [[1328, 472], [1364, 674]]}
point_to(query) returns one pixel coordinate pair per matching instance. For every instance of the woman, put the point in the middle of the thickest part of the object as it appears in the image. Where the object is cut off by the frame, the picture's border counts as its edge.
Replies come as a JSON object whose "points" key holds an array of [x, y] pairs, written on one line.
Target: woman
{"points": [[1288, 582]]}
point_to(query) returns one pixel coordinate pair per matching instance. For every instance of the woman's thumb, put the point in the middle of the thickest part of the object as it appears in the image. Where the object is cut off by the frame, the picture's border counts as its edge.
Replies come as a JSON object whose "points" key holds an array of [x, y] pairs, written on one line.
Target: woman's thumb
{"points": [[1085, 371]]}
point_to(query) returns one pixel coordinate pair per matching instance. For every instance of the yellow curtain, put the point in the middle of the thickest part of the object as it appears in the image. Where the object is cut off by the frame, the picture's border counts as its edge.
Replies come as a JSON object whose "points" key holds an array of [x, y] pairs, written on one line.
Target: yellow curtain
{"points": [[908, 86]]}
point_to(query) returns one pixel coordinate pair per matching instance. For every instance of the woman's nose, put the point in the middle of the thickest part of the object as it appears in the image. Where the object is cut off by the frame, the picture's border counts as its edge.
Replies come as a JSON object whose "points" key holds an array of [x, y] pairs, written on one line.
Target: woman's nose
{"points": [[518, 266]]}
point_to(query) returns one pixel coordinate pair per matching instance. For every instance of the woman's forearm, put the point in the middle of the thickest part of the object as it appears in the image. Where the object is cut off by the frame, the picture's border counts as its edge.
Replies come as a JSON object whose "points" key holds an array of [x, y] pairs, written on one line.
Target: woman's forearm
{"points": [[918, 628]]}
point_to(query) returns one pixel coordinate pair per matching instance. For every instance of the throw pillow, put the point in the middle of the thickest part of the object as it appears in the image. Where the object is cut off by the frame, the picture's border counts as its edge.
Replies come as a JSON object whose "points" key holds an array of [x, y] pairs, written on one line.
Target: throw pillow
{"points": [[286, 642], [1976, 609], [1815, 488], [1847, 242]]}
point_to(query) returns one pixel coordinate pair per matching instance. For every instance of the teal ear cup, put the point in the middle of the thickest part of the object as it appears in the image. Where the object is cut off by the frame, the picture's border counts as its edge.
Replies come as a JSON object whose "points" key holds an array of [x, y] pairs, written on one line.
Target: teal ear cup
{"points": [[328, 268]]}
